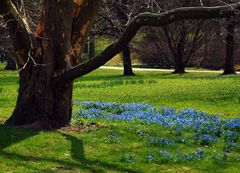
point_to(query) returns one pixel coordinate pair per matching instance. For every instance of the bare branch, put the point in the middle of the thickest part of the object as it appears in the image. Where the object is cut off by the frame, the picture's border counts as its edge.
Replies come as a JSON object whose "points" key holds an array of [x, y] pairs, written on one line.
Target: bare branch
{"points": [[149, 19]]}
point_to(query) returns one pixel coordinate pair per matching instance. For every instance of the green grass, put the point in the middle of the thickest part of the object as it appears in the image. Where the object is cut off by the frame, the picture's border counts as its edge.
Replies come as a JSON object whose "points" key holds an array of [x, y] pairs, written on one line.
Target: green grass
{"points": [[22, 150], [202, 91]]}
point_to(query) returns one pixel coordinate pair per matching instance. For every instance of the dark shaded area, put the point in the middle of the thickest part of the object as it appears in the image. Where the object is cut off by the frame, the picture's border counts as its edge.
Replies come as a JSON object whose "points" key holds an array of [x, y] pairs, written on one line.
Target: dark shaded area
{"points": [[10, 136], [127, 62], [230, 46], [11, 65], [9, 80]]}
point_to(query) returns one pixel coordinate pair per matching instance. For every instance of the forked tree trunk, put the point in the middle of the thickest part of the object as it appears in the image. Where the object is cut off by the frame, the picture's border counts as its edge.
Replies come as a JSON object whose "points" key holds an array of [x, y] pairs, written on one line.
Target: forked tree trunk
{"points": [[127, 62], [229, 64], [44, 101]]}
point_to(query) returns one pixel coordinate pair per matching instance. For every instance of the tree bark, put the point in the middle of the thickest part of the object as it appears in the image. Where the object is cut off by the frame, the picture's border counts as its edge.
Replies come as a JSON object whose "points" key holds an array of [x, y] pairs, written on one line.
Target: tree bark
{"points": [[126, 52], [127, 62], [179, 67], [229, 64], [44, 102], [11, 64], [179, 55]]}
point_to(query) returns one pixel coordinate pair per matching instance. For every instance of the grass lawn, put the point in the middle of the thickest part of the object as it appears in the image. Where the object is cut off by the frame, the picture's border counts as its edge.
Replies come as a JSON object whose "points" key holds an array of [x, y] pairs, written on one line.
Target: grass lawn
{"points": [[96, 150]]}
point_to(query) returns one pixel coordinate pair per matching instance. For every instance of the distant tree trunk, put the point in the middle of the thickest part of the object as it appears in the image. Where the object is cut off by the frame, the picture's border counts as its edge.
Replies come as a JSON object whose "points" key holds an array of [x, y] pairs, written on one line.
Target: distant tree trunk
{"points": [[91, 46], [126, 53], [11, 64], [127, 63], [229, 64], [179, 55], [179, 67]]}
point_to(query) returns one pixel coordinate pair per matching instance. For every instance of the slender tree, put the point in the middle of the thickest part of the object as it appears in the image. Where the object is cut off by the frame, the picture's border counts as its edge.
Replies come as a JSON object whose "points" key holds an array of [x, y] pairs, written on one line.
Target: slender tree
{"points": [[111, 21], [49, 57], [230, 43]]}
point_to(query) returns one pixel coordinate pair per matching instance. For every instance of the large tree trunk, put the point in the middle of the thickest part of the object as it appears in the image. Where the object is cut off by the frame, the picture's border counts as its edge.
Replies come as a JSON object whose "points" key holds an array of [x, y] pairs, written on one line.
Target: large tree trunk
{"points": [[127, 63], [229, 64], [11, 64], [45, 102]]}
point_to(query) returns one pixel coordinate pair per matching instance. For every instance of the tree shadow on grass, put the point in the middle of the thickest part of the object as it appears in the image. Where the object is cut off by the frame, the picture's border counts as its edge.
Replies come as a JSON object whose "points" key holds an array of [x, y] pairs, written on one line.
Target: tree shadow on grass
{"points": [[77, 153], [10, 136]]}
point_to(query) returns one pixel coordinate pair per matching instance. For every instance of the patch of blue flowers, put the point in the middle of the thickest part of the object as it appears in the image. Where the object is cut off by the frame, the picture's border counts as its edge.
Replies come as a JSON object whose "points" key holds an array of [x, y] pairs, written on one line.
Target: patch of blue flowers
{"points": [[204, 129], [207, 128]]}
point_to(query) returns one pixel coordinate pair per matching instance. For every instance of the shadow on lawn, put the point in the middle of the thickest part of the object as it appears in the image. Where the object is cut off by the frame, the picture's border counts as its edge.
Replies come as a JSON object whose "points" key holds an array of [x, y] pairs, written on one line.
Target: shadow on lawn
{"points": [[10, 136]]}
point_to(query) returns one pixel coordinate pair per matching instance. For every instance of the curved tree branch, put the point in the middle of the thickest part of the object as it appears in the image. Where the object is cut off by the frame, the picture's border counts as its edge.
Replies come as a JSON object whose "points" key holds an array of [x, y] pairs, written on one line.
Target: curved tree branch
{"points": [[149, 19]]}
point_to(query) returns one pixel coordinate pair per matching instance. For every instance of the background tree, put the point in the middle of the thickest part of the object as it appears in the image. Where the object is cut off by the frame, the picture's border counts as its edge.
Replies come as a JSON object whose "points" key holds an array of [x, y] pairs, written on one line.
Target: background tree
{"points": [[111, 21], [230, 45], [175, 44]]}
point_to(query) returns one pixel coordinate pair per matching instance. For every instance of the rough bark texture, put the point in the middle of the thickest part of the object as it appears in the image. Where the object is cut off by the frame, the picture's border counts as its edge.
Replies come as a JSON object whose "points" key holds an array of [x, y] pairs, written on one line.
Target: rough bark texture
{"points": [[229, 65], [83, 16], [127, 63], [43, 101], [179, 56]]}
